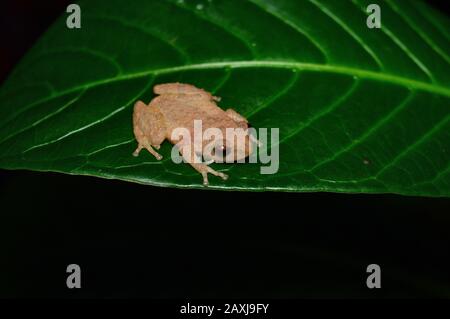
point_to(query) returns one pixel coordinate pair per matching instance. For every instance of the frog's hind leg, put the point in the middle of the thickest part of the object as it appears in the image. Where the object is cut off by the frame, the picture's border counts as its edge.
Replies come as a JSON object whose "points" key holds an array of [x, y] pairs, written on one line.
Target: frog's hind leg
{"points": [[149, 128], [148, 147]]}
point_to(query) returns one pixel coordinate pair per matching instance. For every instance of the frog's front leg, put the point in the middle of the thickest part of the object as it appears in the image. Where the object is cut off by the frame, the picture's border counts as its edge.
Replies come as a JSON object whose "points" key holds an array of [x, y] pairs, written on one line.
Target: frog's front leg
{"points": [[235, 116], [240, 120], [145, 144], [202, 168], [205, 169]]}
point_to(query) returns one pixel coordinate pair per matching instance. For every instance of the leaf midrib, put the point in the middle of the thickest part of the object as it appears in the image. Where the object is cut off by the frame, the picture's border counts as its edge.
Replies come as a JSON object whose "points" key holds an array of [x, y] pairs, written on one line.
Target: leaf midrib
{"points": [[379, 76], [366, 74]]}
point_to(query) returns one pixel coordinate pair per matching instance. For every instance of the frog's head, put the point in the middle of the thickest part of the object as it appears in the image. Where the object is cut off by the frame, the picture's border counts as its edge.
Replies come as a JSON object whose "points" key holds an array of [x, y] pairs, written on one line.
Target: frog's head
{"points": [[236, 145]]}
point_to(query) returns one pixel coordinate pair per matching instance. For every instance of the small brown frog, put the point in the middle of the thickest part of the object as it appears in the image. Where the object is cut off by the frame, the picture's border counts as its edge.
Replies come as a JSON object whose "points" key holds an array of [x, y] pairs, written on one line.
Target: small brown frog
{"points": [[178, 106]]}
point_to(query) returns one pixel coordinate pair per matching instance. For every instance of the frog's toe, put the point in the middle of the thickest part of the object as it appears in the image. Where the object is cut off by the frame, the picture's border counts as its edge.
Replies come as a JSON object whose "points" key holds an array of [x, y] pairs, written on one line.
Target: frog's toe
{"points": [[222, 175], [137, 151], [216, 173], [205, 178], [152, 151]]}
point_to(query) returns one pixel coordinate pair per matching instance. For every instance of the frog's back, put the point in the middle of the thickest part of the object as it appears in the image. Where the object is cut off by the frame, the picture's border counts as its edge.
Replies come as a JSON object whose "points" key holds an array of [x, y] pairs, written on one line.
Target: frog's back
{"points": [[181, 110], [184, 108]]}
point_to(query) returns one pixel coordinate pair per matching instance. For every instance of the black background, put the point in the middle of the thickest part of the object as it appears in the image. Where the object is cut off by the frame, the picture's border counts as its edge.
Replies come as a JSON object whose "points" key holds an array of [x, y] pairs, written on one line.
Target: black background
{"points": [[140, 241]]}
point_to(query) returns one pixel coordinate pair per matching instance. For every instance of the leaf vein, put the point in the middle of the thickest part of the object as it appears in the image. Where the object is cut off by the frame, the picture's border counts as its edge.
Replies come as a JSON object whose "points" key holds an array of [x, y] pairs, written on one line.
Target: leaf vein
{"points": [[276, 96], [369, 132], [404, 48], [425, 11], [48, 116], [324, 112], [413, 146], [279, 16], [417, 30], [205, 18], [118, 110], [157, 35], [343, 25]]}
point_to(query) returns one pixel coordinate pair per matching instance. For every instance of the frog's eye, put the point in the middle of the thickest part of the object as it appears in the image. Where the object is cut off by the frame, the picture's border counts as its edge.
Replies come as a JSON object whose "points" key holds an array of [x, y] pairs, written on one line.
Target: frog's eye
{"points": [[222, 150]]}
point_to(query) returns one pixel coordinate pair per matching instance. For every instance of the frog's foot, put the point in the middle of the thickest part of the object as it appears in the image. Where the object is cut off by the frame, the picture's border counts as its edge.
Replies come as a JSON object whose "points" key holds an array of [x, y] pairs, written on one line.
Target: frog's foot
{"points": [[149, 148], [215, 173], [205, 169]]}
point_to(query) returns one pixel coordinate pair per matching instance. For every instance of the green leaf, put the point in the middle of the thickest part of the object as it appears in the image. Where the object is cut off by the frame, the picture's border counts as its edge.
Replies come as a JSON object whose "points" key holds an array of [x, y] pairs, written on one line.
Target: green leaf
{"points": [[359, 109]]}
